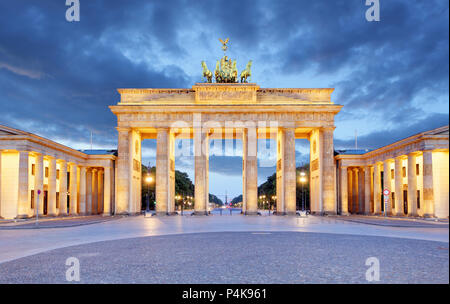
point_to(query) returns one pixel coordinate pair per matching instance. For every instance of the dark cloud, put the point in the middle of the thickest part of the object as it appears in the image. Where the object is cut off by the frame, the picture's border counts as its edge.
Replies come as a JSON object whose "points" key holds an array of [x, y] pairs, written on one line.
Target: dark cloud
{"points": [[385, 137], [57, 78]]}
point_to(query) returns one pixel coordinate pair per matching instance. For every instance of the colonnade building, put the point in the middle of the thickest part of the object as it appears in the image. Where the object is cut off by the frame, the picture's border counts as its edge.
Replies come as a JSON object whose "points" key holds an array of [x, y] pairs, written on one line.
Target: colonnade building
{"points": [[74, 182], [37, 173], [414, 170]]}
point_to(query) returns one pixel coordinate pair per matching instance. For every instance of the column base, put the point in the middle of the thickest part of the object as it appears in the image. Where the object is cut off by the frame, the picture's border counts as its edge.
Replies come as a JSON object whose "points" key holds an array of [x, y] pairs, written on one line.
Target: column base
{"points": [[22, 216], [105, 214], [345, 214]]}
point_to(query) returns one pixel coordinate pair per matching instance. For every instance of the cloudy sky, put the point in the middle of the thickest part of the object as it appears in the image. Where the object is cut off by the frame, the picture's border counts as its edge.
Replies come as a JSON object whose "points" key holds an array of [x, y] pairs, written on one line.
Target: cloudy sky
{"points": [[57, 77]]}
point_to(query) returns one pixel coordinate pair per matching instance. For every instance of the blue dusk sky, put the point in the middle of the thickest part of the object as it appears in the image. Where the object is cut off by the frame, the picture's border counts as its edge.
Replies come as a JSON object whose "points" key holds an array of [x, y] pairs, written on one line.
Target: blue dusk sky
{"points": [[57, 78]]}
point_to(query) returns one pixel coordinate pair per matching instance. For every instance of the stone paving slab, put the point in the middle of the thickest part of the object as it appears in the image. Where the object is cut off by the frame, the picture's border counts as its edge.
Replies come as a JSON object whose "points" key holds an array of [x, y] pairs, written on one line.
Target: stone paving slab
{"points": [[239, 257]]}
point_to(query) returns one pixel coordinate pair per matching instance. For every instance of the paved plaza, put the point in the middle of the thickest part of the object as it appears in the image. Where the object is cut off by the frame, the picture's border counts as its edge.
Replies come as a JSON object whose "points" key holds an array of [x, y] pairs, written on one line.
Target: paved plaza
{"points": [[228, 249]]}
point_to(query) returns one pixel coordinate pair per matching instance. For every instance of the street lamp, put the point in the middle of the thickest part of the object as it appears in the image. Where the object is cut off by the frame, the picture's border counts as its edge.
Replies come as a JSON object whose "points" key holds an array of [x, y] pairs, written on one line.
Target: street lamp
{"points": [[148, 180], [302, 179]]}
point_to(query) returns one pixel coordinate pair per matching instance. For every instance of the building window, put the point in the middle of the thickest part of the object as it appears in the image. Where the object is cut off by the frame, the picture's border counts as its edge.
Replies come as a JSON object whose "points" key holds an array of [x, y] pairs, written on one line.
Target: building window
{"points": [[33, 168], [404, 171], [393, 200], [392, 174], [57, 174], [32, 199], [418, 199], [57, 200], [46, 171], [417, 169]]}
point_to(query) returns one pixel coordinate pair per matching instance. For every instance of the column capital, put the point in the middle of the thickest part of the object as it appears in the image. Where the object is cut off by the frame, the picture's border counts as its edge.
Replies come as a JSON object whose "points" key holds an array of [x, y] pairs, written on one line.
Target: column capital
{"points": [[328, 128]]}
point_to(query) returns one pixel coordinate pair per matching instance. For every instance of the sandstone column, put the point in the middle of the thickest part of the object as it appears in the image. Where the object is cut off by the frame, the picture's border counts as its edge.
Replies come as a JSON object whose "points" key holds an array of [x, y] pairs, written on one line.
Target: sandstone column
{"points": [[62, 187], [171, 168], [123, 171], [39, 183], [428, 197], [82, 201], [412, 185], [350, 190], [328, 172], [52, 186], [94, 191], [367, 190], [201, 145], [250, 170], [73, 189], [344, 191], [387, 185], [355, 191], [398, 194], [107, 192], [100, 198], [162, 171], [290, 174], [281, 207], [88, 191], [376, 189], [23, 206]]}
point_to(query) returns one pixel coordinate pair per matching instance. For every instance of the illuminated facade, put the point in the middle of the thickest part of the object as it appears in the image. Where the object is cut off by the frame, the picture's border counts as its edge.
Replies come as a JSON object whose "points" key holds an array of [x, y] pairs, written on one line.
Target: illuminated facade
{"points": [[109, 182], [70, 182], [415, 170], [226, 111]]}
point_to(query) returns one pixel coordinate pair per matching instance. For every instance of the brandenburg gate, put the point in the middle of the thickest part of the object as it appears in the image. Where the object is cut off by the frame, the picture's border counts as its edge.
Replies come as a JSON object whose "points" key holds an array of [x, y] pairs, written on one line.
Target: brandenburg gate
{"points": [[231, 111], [226, 109]]}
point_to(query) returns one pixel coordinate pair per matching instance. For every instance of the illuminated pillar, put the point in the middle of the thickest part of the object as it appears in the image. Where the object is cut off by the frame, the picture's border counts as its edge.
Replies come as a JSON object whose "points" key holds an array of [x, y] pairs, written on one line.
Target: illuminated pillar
{"points": [[123, 171], [355, 191], [376, 189], [201, 145], [88, 191], [250, 170], [412, 185], [366, 208], [350, 190], [328, 172], [82, 202], [62, 187], [100, 198], [107, 192], [73, 189], [387, 185], [344, 190], [94, 191], [162, 170], [39, 183], [398, 194], [23, 206], [52, 186], [428, 197]]}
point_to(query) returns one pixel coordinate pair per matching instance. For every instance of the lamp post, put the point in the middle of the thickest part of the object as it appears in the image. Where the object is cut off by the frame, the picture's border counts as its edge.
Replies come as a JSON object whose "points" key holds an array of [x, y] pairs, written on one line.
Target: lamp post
{"points": [[302, 180], [148, 180]]}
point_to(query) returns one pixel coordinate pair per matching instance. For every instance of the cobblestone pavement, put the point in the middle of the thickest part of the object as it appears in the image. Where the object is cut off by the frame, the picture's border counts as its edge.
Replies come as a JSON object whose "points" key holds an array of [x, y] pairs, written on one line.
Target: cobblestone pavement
{"points": [[19, 243], [239, 257]]}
